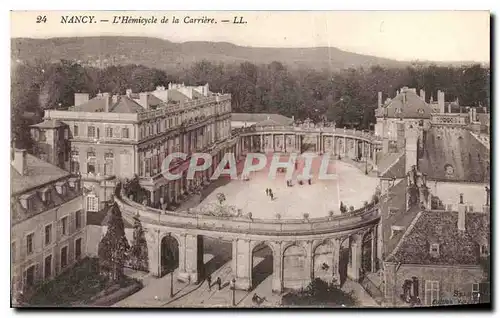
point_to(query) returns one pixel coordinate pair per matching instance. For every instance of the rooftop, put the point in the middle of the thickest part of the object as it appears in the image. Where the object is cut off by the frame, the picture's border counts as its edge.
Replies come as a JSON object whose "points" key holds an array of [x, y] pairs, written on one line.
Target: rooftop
{"points": [[454, 155], [440, 227], [38, 173], [407, 104], [49, 123]]}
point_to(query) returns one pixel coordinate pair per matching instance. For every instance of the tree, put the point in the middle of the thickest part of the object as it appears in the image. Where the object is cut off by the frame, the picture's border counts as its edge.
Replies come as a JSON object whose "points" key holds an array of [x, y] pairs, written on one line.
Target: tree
{"points": [[112, 250], [139, 249], [343, 208], [319, 292]]}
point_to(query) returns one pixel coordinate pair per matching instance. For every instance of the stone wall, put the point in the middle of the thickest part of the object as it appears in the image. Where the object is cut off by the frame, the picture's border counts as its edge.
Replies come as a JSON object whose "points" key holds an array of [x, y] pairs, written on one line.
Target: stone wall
{"points": [[451, 280]]}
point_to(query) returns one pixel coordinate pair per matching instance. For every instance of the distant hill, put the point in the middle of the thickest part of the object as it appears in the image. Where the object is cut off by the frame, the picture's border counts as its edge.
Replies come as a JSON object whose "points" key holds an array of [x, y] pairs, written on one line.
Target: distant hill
{"points": [[154, 52]]}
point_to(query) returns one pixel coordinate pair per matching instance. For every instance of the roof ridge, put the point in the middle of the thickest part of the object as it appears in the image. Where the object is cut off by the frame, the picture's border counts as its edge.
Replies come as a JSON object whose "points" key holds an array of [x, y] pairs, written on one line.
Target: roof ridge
{"points": [[405, 234]]}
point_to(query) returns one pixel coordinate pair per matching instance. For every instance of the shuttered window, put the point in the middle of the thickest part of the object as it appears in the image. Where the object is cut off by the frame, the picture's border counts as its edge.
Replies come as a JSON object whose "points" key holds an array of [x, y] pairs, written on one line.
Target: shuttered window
{"points": [[431, 292], [64, 257]]}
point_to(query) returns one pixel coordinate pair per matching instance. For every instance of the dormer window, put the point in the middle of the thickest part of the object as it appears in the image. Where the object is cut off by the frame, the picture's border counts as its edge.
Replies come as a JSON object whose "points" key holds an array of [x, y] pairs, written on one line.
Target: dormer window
{"points": [[434, 250], [61, 188], [399, 110], [25, 201], [45, 195], [420, 110]]}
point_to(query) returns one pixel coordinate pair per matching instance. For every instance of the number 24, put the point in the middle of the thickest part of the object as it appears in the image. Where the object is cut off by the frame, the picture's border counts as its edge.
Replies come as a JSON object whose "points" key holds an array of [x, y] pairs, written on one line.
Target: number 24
{"points": [[40, 19]]}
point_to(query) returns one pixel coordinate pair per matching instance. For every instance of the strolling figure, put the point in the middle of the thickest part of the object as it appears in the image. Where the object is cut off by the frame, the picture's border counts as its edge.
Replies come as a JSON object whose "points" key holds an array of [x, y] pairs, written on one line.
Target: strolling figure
{"points": [[271, 194], [209, 281], [267, 191], [219, 282]]}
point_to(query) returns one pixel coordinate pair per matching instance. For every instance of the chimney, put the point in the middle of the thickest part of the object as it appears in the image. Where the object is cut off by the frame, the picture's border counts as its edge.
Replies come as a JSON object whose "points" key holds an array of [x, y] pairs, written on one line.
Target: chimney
{"points": [[449, 108], [379, 99], [441, 101], [143, 100], [108, 101], [81, 98], [115, 98], [471, 115], [404, 98], [19, 161], [401, 136], [128, 92], [422, 94]]}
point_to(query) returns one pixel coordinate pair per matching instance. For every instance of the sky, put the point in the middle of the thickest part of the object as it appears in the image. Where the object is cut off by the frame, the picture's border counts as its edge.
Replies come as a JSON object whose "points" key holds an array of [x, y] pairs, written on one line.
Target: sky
{"points": [[400, 35]]}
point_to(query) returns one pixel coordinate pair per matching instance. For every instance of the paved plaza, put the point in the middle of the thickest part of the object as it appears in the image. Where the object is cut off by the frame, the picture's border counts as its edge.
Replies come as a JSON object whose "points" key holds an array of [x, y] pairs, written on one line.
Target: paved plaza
{"points": [[350, 185]]}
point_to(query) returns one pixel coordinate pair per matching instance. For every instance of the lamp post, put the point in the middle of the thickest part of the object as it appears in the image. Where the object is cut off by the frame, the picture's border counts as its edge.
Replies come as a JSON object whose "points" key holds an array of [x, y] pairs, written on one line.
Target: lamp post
{"points": [[366, 161], [233, 283], [171, 284]]}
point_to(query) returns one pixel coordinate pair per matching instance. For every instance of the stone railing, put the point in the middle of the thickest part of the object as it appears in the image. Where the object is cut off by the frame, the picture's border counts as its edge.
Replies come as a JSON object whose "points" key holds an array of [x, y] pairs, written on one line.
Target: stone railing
{"points": [[183, 106], [300, 129], [336, 223]]}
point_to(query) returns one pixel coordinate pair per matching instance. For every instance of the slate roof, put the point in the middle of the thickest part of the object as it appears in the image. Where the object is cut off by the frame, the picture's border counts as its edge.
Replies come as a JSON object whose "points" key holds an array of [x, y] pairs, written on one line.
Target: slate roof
{"points": [[469, 158], [49, 123], [38, 173], [392, 164], [124, 104], [409, 109], [275, 119], [440, 227]]}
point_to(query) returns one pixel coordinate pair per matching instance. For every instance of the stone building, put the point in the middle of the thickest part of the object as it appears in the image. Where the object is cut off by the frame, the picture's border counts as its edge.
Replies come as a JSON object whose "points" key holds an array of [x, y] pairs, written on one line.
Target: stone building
{"points": [[108, 138], [47, 222]]}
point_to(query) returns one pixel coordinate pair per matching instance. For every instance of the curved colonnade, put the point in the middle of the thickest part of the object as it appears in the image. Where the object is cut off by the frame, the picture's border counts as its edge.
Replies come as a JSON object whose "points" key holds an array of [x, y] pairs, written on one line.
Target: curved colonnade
{"points": [[301, 249]]}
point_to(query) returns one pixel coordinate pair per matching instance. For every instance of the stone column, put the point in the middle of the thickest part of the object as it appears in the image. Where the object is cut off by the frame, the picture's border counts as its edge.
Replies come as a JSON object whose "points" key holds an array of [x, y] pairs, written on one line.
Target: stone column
{"points": [[262, 143], [277, 283], [353, 271], [374, 250], [153, 244], [309, 264], [251, 143], [272, 142], [284, 143], [336, 261], [345, 146], [188, 272], [242, 264]]}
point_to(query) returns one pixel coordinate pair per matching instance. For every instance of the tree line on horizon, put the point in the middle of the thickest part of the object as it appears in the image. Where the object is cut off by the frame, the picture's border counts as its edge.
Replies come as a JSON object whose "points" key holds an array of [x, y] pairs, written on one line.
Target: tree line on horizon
{"points": [[348, 97]]}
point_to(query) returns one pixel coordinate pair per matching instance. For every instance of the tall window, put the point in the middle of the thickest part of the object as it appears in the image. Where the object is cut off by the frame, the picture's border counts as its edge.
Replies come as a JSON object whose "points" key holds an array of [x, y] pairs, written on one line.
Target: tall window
{"points": [[29, 243], [64, 225], [148, 166], [91, 162], [75, 130], [78, 248], [92, 203], [30, 276], [108, 163], [109, 132], [125, 133], [47, 270], [431, 292], [48, 234], [64, 257], [91, 132], [78, 219]]}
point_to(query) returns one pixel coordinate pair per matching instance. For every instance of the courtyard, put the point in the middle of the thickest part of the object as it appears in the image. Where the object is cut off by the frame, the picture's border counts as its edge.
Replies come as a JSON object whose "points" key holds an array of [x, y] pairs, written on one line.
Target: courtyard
{"points": [[349, 185]]}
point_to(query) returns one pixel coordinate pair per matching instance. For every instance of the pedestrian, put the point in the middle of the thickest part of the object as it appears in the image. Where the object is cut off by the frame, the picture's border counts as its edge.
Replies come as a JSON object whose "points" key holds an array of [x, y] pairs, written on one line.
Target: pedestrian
{"points": [[309, 181], [267, 191], [272, 195], [209, 281], [219, 282]]}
